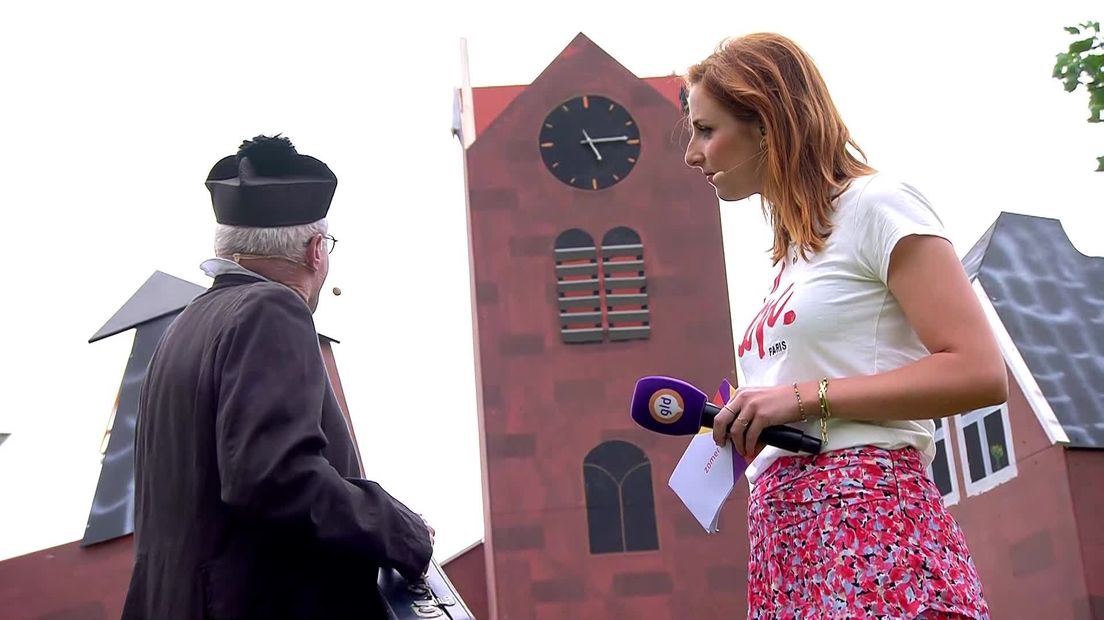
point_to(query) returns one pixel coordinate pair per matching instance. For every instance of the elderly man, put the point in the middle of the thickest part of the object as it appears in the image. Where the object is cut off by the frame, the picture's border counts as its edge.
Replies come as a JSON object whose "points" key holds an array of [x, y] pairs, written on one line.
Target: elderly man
{"points": [[250, 500]]}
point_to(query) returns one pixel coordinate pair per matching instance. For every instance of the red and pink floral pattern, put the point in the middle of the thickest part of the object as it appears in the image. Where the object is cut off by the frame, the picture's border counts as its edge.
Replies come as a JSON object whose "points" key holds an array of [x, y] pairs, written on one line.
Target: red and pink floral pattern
{"points": [[857, 533]]}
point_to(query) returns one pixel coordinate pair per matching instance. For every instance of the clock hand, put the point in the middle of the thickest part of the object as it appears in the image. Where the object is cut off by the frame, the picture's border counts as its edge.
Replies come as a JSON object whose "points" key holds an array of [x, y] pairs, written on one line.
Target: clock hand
{"points": [[611, 139], [591, 143]]}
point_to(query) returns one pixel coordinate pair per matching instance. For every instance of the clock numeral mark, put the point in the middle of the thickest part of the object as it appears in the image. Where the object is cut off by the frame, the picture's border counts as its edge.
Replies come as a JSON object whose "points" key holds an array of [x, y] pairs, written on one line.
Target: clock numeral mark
{"points": [[548, 125], [616, 178], [632, 160], [628, 123], [636, 141], [547, 145], [564, 108], [594, 183], [586, 102], [572, 180], [612, 106], [555, 164]]}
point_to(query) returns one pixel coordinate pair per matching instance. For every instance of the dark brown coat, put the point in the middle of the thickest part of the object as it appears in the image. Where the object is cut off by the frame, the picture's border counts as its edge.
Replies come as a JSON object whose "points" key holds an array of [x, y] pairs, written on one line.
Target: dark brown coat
{"points": [[250, 500]]}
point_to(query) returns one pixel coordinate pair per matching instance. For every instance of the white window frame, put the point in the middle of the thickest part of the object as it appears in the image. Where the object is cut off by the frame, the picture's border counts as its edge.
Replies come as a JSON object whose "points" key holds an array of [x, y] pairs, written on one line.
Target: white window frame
{"points": [[952, 498], [992, 479]]}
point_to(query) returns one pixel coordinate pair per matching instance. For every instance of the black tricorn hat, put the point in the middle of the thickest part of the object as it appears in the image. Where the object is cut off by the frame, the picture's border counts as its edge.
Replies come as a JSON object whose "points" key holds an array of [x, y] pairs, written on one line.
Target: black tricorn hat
{"points": [[268, 184]]}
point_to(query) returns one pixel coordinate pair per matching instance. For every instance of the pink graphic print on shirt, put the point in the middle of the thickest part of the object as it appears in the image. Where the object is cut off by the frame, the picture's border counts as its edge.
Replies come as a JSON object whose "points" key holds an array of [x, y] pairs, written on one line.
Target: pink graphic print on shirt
{"points": [[773, 307]]}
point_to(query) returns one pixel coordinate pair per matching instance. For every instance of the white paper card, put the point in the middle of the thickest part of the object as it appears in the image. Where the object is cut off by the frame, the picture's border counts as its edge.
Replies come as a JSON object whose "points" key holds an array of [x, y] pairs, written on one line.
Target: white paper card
{"points": [[705, 477]]}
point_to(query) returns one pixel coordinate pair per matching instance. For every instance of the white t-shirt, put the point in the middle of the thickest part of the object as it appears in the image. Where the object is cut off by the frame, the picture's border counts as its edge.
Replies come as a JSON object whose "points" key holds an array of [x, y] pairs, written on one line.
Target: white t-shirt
{"points": [[834, 316]]}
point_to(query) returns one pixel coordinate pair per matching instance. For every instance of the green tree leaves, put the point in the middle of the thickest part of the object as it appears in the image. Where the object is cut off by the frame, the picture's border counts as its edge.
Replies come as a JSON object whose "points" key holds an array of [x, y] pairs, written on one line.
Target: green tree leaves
{"points": [[1083, 65]]}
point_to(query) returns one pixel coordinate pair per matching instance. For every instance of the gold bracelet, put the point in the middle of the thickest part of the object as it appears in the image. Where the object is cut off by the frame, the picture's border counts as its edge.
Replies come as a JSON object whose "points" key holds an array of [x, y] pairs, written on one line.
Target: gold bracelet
{"points": [[800, 405], [825, 410]]}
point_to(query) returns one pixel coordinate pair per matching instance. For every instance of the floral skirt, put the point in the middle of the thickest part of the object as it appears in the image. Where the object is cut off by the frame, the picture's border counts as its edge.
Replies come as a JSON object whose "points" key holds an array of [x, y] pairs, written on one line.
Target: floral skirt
{"points": [[856, 533]]}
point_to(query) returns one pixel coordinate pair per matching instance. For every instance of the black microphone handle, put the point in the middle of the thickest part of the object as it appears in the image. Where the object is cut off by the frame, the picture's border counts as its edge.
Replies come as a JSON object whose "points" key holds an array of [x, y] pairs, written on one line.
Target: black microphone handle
{"points": [[785, 437]]}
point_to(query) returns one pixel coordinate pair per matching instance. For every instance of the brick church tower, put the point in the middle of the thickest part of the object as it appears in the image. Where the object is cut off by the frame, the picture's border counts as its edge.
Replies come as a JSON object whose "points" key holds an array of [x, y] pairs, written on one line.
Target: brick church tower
{"points": [[596, 258]]}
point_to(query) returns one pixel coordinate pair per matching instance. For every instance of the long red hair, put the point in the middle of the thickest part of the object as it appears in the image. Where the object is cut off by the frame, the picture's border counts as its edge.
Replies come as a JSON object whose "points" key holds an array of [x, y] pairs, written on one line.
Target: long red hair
{"points": [[767, 78]]}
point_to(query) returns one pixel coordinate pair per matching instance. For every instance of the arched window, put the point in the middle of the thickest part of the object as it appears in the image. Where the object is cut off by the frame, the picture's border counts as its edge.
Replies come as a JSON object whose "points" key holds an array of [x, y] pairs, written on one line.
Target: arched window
{"points": [[625, 285], [595, 303], [577, 287], [620, 504]]}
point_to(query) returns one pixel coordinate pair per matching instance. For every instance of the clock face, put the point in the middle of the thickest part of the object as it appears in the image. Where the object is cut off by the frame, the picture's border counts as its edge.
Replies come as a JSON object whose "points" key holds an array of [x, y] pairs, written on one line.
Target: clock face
{"points": [[590, 142]]}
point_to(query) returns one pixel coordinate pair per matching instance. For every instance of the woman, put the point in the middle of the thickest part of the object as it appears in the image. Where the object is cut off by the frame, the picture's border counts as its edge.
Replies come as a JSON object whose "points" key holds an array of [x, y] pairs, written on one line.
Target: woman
{"points": [[870, 329]]}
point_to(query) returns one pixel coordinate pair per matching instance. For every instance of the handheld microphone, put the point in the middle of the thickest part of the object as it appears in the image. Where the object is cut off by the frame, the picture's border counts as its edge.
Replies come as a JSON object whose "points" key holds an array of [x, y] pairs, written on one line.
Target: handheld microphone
{"points": [[674, 407]]}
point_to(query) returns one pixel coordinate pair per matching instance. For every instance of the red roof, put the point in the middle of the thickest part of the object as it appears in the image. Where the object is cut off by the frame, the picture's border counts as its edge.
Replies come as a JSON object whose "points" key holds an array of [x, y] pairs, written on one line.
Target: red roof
{"points": [[490, 101]]}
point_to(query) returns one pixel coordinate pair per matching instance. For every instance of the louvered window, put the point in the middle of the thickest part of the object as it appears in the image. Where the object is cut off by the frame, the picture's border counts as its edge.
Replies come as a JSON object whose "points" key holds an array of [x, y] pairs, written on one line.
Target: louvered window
{"points": [[602, 292], [578, 288], [625, 285]]}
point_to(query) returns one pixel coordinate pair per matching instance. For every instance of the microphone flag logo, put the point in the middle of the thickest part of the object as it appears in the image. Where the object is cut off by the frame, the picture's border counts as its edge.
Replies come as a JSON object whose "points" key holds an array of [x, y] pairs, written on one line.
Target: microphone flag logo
{"points": [[723, 394], [666, 406]]}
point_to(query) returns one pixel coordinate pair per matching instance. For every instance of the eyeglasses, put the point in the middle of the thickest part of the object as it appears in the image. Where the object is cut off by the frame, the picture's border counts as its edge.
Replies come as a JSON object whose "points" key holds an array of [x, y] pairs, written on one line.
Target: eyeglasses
{"points": [[331, 243]]}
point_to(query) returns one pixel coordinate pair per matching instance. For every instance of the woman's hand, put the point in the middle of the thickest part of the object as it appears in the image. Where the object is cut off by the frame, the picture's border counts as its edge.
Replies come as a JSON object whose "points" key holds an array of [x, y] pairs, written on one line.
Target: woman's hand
{"points": [[751, 410]]}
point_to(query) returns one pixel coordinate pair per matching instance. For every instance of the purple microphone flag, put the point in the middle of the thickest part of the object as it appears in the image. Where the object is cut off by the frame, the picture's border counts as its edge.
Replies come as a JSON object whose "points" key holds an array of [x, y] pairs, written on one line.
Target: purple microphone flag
{"points": [[674, 407], [668, 405]]}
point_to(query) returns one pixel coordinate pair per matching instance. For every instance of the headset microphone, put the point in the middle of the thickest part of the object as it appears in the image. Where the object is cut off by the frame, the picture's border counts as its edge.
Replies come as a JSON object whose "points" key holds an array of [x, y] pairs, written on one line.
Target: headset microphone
{"points": [[716, 174]]}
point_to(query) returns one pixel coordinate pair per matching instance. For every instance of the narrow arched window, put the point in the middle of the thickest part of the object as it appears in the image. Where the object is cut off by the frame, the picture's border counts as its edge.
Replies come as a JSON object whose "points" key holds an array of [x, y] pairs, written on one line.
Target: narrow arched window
{"points": [[625, 284], [578, 288]]}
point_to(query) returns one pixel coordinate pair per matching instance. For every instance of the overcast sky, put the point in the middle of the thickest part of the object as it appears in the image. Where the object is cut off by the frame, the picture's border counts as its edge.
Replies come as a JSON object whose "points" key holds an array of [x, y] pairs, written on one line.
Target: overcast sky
{"points": [[114, 113]]}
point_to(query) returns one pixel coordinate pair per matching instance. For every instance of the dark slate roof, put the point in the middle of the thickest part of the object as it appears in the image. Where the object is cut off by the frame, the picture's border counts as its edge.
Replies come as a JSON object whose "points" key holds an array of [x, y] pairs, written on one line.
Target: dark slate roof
{"points": [[161, 294], [1050, 298]]}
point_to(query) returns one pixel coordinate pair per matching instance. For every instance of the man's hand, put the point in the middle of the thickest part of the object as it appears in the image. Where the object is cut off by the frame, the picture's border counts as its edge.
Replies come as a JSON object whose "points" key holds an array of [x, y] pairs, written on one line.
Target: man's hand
{"points": [[432, 532], [432, 542]]}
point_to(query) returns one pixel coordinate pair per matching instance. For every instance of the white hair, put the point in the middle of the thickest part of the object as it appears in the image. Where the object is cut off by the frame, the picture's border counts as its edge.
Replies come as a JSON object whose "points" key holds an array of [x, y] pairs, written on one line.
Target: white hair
{"points": [[284, 241]]}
